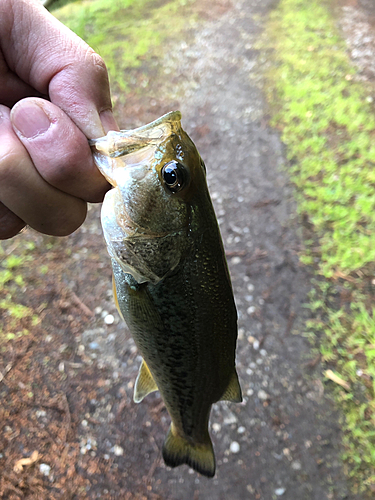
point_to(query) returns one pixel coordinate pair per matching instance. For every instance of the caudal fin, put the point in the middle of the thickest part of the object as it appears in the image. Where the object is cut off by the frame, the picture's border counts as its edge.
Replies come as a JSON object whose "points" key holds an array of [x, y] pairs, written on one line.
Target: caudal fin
{"points": [[177, 450]]}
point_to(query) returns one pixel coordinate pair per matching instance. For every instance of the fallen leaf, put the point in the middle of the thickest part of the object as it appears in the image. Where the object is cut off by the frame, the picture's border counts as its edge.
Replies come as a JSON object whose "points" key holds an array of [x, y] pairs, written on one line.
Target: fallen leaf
{"points": [[18, 467], [338, 380]]}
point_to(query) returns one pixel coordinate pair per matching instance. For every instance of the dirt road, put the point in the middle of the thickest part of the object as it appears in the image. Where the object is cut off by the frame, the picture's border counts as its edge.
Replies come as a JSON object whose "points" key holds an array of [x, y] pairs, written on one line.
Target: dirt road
{"points": [[284, 440]]}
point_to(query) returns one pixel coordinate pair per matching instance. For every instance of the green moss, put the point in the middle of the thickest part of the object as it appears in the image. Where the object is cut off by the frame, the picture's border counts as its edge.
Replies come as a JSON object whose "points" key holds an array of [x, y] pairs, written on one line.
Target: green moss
{"points": [[15, 317], [327, 122], [125, 32]]}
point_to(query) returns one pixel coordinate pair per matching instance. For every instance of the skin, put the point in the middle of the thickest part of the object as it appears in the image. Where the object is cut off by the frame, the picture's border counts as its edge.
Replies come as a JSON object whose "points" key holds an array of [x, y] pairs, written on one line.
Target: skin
{"points": [[54, 95]]}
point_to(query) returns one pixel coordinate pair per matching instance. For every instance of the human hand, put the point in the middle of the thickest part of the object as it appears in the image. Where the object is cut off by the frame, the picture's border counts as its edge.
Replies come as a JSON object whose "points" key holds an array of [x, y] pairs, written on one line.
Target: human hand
{"points": [[47, 173]]}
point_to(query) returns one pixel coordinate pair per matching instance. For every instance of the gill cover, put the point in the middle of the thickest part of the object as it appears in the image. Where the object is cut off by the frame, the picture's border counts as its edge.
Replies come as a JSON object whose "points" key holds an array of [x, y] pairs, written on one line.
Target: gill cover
{"points": [[144, 225]]}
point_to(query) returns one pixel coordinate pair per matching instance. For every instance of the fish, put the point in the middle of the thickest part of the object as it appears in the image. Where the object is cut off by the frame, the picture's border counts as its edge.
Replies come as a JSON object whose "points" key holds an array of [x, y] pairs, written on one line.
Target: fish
{"points": [[171, 280]]}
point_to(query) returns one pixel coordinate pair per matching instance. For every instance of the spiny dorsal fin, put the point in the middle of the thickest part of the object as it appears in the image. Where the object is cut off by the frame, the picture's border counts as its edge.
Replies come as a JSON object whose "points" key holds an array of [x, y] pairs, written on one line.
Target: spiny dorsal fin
{"points": [[233, 391], [144, 383], [177, 450]]}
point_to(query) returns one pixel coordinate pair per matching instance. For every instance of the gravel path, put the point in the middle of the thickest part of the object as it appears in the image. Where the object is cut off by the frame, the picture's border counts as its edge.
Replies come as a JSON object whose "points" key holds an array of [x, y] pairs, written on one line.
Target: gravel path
{"points": [[284, 440]]}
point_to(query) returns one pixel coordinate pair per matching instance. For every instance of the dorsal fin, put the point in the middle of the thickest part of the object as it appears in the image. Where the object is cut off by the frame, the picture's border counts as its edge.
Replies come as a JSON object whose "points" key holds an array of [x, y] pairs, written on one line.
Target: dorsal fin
{"points": [[144, 383], [233, 391]]}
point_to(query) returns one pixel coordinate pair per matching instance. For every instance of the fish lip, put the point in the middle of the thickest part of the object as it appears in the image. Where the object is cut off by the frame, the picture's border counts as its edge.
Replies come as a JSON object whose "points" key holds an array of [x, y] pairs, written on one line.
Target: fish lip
{"points": [[131, 145], [172, 116]]}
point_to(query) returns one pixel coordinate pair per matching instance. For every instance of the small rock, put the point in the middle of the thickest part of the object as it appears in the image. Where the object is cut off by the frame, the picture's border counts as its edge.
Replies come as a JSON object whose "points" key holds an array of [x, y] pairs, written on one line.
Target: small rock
{"points": [[230, 418], [216, 427], [234, 447], [241, 333], [241, 430], [250, 310], [45, 469], [262, 395], [118, 450], [98, 310], [109, 319], [256, 344], [296, 465], [280, 491], [94, 345]]}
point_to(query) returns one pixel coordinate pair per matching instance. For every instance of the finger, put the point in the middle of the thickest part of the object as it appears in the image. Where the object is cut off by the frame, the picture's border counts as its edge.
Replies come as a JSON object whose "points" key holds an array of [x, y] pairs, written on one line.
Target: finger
{"points": [[25, 193], [57, 63], [58, 149], [12, 88], [10, 224]]}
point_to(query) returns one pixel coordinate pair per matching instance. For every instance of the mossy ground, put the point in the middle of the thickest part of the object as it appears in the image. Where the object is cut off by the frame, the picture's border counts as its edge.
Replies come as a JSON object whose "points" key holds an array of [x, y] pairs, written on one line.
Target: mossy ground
{"points": [[123, 35], [326, 119]]}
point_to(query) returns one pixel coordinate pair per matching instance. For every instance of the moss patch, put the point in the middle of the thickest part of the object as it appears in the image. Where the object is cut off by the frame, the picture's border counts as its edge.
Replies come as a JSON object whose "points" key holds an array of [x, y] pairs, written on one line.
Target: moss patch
{"points": [[326, 119], [126, 32]]}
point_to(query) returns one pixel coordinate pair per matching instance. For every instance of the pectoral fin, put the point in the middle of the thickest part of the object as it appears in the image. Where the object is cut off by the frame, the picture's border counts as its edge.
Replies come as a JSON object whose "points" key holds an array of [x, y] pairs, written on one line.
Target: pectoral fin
{"points": [[233, 391], [144, 383]]}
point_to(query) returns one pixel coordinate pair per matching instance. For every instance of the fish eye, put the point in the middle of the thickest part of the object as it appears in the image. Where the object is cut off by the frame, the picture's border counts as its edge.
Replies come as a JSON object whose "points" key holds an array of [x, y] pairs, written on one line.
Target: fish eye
{"points": [[173, 174]]}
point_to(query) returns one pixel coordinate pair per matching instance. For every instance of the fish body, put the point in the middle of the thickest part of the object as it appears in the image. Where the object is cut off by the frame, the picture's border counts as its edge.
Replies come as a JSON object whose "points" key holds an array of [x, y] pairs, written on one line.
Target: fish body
{"points": [[172, 284]]}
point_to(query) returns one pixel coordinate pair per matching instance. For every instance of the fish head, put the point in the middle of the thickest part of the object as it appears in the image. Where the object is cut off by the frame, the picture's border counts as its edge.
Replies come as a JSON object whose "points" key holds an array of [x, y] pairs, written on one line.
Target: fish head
{"points": [[155, 171]]}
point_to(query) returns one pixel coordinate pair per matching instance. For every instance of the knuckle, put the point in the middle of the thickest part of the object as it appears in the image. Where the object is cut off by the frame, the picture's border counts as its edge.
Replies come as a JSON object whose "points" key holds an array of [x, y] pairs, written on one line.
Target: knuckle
{"points": [[98, 63]]}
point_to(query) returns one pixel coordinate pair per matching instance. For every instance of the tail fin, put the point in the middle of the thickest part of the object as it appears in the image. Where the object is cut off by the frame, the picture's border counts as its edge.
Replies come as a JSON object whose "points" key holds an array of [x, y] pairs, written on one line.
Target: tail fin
{"points": [[177, 450]]}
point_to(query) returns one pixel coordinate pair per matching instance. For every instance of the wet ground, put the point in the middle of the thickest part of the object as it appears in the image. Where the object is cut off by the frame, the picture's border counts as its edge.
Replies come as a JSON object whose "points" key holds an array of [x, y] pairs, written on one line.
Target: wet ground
{"points": [[283, 441]]}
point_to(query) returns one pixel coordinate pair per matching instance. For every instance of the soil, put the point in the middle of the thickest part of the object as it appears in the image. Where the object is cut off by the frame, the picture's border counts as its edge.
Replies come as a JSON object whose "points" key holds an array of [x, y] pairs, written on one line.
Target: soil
{"points": [[66, 388]]}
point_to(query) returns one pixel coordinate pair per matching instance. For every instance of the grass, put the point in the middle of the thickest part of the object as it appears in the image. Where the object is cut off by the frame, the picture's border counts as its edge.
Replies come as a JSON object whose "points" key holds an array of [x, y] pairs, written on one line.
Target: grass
{"points": [[16, 318], [126, 32], [327, 122]]}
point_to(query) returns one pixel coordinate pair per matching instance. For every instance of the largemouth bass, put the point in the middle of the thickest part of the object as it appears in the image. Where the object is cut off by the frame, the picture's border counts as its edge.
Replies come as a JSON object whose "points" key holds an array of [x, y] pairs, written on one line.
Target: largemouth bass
{"points": [[171, 280]]}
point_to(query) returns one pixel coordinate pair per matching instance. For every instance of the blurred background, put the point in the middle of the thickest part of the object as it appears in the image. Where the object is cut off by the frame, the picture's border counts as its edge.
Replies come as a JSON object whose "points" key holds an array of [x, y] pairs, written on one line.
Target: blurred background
{"points": [[278, 97]]}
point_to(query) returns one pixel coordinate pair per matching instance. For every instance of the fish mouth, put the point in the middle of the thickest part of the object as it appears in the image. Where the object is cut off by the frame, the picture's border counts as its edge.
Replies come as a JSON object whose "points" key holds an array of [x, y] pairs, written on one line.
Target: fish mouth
{"points": [[132, 147]]}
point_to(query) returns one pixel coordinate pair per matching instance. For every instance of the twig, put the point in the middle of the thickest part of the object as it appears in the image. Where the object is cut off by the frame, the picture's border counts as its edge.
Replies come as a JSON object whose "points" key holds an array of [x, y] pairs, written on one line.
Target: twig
{"points": [[8, 367], [68, 417], [338, 380], [257, 255], [264, 203], [236, 253], [80, 304]]}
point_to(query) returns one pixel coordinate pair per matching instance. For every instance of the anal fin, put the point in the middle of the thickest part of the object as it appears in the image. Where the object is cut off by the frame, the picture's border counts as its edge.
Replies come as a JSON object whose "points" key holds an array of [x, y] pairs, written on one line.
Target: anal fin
{"points": [[233, 391], [144, 383]]}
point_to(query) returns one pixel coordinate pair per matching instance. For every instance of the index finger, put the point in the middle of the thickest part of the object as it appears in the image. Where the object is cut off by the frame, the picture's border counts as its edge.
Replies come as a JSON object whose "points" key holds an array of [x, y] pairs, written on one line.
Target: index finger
{"points": [[53, 60]]}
